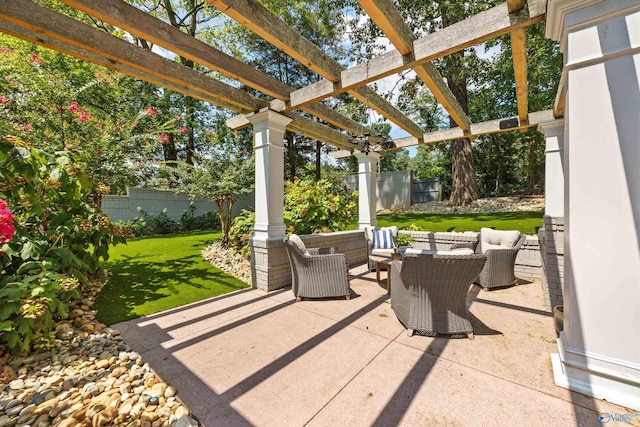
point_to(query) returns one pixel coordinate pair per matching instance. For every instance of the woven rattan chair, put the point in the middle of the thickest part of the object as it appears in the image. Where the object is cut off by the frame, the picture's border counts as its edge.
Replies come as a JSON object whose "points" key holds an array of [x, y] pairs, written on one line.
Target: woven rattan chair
{"points": [[371, 250], [429, 293], [501, 249], [316, 272]]}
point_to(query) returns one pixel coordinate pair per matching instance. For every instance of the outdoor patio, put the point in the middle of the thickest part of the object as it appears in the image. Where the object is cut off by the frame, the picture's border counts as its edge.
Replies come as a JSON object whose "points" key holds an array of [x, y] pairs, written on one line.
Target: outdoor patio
{"points": [[256, 358]]}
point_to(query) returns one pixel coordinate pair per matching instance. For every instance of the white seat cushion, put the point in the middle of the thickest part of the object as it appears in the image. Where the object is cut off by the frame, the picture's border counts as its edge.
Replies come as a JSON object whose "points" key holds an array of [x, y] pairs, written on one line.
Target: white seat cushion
{"points": [[383, 252], [496, 239], [459, 251]]}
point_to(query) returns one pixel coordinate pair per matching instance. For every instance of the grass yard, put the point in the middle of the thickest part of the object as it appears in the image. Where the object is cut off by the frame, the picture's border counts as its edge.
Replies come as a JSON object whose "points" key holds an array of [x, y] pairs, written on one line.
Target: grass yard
{"points": [[525, 222], [158, 273]]}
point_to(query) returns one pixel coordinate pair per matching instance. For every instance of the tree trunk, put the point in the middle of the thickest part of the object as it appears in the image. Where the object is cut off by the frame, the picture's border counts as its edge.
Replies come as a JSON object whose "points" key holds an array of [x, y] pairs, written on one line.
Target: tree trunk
{"points": [[224, 221], [464, 187], [318, 160], [190, 108], [170, 152]]}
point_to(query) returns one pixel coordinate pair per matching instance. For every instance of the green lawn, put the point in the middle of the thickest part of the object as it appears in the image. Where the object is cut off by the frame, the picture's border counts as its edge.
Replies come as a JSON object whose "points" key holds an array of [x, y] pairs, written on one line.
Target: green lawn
{"points": [[525, 222], [158, 273]]}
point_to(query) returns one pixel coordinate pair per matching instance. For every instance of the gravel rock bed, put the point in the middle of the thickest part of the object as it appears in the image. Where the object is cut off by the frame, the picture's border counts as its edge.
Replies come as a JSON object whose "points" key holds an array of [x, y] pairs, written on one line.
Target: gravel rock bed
{"points": [[227, 260], [494, 204], [89, 378]]}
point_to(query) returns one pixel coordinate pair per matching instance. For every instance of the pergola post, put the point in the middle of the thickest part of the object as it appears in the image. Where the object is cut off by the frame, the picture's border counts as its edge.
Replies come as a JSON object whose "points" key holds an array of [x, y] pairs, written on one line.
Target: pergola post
{"points": [[552, 234], [268, 257], [367, 188], [598, 350]]}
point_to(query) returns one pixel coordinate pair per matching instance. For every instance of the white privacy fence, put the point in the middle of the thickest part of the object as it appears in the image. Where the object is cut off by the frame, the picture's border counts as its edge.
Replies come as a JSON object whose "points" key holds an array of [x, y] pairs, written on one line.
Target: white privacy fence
{"points": [[155, 201]]}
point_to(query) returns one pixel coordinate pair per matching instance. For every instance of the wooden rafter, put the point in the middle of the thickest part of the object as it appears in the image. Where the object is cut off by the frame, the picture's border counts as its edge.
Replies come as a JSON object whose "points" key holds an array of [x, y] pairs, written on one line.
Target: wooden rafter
{"points": [[471, 31], [141, 24], [258, 19], [38, 24], [145, 26], [384, 14], [31, 16], [46, 41], [519, 50], [477, 129]]}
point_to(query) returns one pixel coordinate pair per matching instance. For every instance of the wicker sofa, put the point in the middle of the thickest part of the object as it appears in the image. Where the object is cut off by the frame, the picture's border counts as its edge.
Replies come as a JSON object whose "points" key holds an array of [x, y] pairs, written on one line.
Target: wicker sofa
{"points": [[316, 272], [429, 292]]}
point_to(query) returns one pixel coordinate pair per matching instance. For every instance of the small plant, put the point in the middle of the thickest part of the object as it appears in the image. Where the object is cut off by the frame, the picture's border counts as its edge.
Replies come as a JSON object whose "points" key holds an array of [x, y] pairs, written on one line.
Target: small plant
{"points": [[404, 239]]}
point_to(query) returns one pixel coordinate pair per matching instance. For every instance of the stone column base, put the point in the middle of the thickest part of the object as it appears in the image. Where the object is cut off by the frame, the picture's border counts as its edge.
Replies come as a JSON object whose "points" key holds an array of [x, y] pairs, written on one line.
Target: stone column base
{"points": [[270, 269], [552, 254]]}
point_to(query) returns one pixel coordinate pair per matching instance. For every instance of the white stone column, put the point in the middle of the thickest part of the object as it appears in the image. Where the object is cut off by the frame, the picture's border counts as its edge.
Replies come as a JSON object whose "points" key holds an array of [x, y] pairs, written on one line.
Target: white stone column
{"points": [[269, 264], [554, 168], [268, 129], [599, 349], [367, 188]]}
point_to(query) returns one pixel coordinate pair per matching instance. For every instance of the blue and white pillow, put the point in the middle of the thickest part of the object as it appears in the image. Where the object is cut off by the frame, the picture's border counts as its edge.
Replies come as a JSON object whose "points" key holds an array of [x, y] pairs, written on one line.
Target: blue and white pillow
{"points": [[383, 238]]}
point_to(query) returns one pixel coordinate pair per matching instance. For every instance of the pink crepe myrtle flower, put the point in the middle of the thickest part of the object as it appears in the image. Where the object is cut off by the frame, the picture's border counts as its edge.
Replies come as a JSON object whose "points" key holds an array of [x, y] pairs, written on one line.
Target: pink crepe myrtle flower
{"points": [[36, 59], [27, 127], [163, 138], [184, 129], [3, 100], [151, 111], [73, 106]]}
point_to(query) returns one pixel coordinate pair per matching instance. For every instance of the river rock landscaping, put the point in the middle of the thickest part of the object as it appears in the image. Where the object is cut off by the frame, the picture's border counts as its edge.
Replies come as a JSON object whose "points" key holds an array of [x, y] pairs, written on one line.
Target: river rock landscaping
{"points": [[89, 377]]}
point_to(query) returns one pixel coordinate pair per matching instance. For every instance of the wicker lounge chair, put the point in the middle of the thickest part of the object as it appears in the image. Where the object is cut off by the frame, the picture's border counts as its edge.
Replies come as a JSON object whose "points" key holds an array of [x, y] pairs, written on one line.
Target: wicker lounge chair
{"points": [[429, 292], [316, 272], [501, 248], [372, 250]]}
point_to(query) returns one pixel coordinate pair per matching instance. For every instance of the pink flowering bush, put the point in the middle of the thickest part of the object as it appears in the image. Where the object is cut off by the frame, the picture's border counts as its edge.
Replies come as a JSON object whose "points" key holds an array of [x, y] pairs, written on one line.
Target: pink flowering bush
{"points": [[6, 223]]}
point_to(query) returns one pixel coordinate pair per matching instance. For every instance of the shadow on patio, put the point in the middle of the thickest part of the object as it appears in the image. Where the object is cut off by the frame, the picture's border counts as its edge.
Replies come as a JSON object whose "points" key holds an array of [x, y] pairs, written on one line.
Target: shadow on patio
{"points": [[251, 358]]}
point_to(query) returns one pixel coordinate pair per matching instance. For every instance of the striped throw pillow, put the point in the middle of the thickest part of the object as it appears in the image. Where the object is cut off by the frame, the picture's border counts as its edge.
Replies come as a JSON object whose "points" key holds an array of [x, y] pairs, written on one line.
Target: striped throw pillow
{"points": [[383, 239]]}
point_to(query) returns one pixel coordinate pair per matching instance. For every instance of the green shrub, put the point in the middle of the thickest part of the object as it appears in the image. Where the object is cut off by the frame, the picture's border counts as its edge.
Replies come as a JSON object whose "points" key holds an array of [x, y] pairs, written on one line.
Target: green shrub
{"points": [[58, 242], [241, 230], [309, 207], [151, 225], [318, 206]]}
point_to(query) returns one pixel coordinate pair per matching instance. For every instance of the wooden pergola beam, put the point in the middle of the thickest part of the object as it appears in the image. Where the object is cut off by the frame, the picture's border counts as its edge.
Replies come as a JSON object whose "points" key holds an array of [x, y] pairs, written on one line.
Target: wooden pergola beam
{"points": [[469, 32], [477, 129], [385, 15], [38, 24], [519, 51], [31, 16], [255, 17], [141, 24], [51, 43]]}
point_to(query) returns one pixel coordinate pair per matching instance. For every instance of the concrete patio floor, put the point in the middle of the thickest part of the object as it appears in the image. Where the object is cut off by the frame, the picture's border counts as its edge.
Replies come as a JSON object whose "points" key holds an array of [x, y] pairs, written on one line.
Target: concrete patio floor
{"points": [[251, 358]]}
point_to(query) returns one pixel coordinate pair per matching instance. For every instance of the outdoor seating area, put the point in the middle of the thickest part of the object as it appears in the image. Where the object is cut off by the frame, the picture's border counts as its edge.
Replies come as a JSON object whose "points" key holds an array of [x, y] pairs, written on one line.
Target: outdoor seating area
{"points": [[371, 314], [256, 358]]}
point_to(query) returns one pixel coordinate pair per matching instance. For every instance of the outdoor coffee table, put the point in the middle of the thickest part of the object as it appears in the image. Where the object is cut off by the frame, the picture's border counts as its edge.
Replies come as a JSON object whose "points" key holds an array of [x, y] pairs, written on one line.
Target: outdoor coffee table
{"points": [[381, 260]]}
